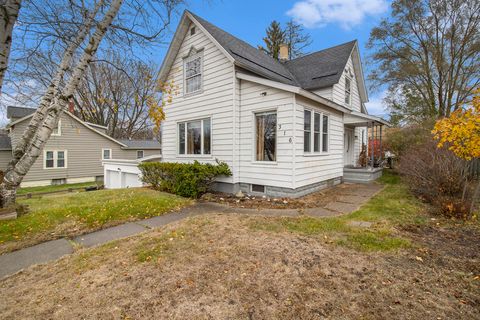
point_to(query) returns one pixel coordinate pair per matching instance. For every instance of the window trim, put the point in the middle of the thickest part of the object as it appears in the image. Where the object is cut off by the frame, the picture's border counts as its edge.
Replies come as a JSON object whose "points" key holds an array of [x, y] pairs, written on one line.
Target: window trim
{"points": [[143, 154], [312, 151], [254, 138], [55, 159], [185, 61], [59, 131], [349, 103], [193, 155], [103, 153]]}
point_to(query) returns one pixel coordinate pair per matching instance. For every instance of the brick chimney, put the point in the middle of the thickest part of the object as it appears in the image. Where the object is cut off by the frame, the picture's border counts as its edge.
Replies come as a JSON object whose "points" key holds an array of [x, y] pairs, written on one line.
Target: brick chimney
{"points": [[71, 106], [283, 55]]}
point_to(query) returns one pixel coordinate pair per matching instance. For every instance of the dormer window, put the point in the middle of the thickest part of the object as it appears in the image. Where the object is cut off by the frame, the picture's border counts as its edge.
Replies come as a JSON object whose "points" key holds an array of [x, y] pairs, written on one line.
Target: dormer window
{"points": [[193, 74], [348, 85]]}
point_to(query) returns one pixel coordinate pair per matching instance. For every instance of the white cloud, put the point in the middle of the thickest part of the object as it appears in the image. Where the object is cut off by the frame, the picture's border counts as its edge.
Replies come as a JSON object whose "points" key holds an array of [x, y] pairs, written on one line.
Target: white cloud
{"points": [[347, 13], [376, 106]]}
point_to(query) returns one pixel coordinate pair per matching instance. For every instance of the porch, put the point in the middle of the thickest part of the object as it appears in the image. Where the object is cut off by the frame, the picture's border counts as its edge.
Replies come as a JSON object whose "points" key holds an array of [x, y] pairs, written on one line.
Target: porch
{"points": [[363, 151]]}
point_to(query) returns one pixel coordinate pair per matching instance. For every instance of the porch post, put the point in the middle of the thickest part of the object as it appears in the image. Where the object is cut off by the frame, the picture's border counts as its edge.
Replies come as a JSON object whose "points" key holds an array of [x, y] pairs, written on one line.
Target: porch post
{"points": [[381, 150], [373, 145]]}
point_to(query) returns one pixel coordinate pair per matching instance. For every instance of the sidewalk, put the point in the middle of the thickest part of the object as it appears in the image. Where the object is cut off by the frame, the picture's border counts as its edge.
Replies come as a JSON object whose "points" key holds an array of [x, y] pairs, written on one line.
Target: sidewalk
{"points": [[13, 262]]}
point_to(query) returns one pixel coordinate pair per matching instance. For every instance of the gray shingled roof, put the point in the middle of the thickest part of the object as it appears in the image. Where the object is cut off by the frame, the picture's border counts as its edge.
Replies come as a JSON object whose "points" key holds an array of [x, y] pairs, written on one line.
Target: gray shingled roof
{"points": [[322, 68], [316, 70], [18, 112], [249, 57], [141, 144], [5, 142]]}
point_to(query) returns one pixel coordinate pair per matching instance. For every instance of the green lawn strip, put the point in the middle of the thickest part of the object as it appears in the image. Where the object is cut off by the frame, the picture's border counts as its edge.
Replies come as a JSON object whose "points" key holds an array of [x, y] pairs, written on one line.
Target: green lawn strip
{"points": [[54, 188], [392, 207], [87, 211]]}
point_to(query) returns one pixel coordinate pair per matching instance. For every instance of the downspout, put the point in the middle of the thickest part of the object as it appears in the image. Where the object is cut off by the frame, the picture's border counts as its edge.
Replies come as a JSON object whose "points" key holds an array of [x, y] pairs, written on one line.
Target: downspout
{"points": [[236, 169], [294, 151]]}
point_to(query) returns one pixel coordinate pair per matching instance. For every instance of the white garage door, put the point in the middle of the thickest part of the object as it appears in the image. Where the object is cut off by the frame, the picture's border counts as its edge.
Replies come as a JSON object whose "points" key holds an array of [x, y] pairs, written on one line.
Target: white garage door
{"points": [[112, 179]]}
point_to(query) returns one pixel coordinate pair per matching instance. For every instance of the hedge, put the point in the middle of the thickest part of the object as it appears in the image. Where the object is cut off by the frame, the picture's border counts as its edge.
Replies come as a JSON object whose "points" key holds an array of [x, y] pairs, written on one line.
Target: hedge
{"points": [[184, 179]]}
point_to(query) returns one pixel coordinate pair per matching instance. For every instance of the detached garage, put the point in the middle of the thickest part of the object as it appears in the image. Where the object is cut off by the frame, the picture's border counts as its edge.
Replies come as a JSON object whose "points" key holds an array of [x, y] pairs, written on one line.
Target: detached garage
{"points": [[121, 174]]}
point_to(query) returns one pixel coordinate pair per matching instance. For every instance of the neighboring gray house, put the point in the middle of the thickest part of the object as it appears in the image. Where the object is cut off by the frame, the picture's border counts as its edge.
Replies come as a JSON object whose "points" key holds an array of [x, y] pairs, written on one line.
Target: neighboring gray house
{"points": [[74, 152], [284, 127]]}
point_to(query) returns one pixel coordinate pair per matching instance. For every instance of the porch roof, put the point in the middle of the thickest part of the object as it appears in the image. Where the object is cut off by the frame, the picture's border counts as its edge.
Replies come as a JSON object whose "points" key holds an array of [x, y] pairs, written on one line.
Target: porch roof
{"points": [[358, 119]]}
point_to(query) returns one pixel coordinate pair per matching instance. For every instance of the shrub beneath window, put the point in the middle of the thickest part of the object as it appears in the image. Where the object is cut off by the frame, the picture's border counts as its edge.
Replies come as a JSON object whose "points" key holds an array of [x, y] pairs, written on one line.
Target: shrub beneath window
{"points": [[184, 179]]}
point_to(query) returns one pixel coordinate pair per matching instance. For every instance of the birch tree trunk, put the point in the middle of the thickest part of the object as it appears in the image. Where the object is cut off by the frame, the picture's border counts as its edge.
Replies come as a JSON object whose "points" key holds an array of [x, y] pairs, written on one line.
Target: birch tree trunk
{"points": [[15, 174], [8, 16], [47, 98]]}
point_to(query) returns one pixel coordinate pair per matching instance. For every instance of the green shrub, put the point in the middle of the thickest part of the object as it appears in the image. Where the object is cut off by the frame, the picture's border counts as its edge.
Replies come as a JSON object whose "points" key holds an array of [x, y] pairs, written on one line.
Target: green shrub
{"points": [[184, 179]]}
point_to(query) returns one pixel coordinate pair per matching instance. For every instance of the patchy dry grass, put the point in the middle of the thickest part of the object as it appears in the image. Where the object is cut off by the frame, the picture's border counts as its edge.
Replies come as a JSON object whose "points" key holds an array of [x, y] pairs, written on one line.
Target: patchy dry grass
{"points": [[54, 188], [60, 215], [215, 266], [387, 211]]}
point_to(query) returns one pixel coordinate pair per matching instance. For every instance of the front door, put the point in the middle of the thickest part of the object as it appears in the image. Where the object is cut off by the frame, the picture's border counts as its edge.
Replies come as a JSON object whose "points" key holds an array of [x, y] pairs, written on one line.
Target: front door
{"points": [[348, 147]]}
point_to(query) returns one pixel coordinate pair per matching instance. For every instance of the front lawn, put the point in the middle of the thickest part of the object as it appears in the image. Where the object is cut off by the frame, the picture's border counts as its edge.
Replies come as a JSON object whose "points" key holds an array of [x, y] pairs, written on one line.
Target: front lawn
{"points": [[387, 211], [60, 215]]}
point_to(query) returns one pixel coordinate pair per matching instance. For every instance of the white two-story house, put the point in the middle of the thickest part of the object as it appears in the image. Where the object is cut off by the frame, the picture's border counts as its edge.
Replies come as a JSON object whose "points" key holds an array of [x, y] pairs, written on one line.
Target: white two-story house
{"points": [[285, 128]]}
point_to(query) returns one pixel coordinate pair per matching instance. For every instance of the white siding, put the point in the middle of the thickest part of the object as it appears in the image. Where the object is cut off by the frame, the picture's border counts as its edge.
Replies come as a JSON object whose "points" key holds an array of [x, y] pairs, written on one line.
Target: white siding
{"points": [[313, 168], [338, 93], [215, 101], [325, 92], [277, 174]]}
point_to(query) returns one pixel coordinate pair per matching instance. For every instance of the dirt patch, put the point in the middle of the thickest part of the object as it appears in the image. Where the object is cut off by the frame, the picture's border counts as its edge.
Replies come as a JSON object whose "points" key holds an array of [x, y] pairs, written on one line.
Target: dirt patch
{"points": [[313, 200], [216, 267]]}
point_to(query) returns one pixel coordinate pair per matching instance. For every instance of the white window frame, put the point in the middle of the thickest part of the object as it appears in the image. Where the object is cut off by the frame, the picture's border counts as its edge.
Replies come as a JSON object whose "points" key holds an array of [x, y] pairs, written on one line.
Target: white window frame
{"points": [[254, 141], [349, 91], [198, 55], [312, 151], [55, 159], [103, 154], [143, 154], [202, 147], [59, 129]]}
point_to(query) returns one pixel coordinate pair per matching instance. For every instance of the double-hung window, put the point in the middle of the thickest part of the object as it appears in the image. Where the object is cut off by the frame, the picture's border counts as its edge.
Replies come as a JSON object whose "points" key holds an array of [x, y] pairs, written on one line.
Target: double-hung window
{"points": [[55, 159], [348, 87], [315, 132], [266, 136], [140, 154], [106, 154], [193, 74], [194, 137]]}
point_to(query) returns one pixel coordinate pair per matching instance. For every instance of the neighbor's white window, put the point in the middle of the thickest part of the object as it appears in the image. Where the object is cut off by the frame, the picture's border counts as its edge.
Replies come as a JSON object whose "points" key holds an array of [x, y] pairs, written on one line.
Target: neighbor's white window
{"points": [[348, 87], [193, 74], [55, 159], [139, 154], [315, 131], [106, 154], [57, 131], [194, 137], [266, 136]]}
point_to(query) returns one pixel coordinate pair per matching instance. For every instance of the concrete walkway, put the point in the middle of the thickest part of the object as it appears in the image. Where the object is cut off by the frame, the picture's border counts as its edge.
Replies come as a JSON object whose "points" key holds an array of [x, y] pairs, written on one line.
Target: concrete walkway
{"points": [[10, 263]]}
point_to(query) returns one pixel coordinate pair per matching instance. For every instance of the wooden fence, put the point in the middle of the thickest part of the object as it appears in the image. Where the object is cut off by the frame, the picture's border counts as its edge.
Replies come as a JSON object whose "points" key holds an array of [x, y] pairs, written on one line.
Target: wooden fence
{"points": [[475, 168]]}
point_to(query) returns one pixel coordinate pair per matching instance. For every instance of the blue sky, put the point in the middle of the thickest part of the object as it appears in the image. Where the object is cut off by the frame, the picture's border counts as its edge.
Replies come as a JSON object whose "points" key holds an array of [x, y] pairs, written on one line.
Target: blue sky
{"points": [[329, 22]]}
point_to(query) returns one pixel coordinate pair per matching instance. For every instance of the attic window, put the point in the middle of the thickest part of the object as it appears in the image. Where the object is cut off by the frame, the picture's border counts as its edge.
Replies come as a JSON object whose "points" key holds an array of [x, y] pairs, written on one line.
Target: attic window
{"points": [[193, 74], [348, 85], [192, 31]]}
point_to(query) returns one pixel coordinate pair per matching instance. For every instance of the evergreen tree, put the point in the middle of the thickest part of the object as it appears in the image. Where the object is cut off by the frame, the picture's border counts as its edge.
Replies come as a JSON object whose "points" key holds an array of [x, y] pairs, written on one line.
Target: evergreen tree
{"points": [[275, 37]]}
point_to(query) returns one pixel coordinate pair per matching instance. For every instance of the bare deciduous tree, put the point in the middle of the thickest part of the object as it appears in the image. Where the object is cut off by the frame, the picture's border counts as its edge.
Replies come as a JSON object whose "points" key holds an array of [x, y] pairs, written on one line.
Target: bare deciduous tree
{"points": [[117, 93], [429, 49], [8, 16], [75, 33]]}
